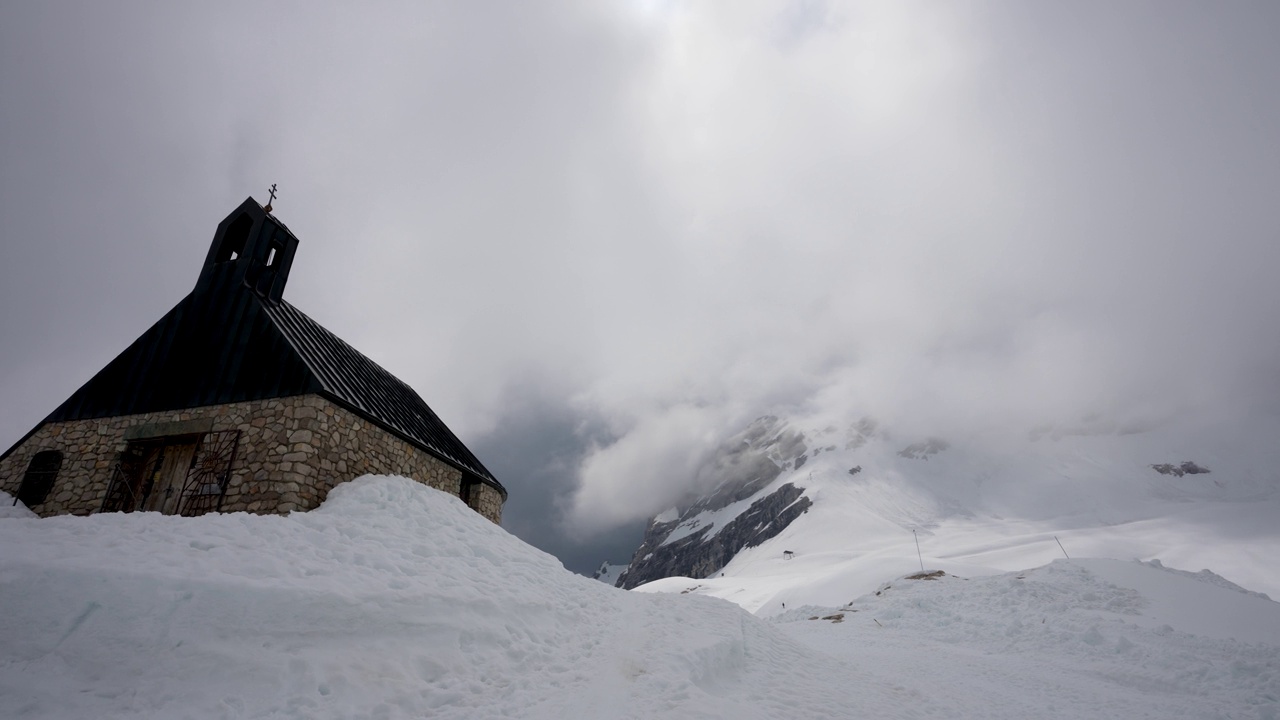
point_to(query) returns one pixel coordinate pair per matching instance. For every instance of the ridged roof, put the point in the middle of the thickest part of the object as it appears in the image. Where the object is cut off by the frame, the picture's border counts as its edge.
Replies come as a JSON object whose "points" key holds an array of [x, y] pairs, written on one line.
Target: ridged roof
{"points": [[234, 339], [362, 385]]}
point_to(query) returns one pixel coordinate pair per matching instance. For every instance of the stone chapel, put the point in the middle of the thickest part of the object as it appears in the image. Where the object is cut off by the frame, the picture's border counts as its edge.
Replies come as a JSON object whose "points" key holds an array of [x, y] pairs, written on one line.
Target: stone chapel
{"points": [[235, 400]]}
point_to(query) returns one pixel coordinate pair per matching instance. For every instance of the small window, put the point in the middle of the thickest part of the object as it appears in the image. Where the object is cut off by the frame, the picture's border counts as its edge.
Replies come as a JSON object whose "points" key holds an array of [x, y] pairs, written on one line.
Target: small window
{"points": [[38, 481], [271, 256], [234, 239]]}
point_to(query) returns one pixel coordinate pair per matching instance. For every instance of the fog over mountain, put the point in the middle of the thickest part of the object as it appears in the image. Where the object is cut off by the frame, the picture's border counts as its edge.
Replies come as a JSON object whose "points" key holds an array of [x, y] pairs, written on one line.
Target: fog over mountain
{"points": [[599, 239]]}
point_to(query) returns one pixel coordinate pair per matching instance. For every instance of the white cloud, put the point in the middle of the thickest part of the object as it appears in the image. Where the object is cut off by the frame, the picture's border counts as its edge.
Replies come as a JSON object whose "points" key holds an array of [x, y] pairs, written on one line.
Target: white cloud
{"points": [[672, 216]]}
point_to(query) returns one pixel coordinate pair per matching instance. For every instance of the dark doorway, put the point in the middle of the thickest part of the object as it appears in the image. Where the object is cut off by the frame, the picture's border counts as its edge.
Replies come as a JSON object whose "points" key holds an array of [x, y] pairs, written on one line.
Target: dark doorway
{"points": [[176, 474]]}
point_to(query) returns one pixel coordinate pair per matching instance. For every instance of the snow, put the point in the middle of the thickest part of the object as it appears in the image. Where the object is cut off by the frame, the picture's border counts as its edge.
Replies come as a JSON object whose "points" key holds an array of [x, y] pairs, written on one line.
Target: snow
{"points": [[980, 511], [666, 516], [609, 573], [717, 519], [11, 508], [1075, 638], [1200, 607], [393, 600]]}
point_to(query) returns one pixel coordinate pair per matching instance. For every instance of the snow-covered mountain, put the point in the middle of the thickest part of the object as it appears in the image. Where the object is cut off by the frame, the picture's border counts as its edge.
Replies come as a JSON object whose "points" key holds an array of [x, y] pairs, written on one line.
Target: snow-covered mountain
{"points": [[608, 573], [394, 600], [746, 507], [808, 513]]}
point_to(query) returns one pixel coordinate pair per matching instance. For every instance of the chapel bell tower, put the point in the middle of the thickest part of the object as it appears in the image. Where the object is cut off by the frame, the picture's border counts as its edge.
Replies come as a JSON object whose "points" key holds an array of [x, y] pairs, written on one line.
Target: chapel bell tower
{"points": [[250, 247]]}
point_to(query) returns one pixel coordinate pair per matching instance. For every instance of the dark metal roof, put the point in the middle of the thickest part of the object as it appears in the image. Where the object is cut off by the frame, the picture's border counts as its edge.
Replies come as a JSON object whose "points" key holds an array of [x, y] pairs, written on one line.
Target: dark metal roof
{"points": [[364, 387], [212, 348], [234, 339]]}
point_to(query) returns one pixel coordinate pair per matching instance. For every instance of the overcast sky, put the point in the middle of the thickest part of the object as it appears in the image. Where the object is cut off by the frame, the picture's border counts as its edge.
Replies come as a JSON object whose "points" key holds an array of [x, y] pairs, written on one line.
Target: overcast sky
{"points": [[598, 237]]}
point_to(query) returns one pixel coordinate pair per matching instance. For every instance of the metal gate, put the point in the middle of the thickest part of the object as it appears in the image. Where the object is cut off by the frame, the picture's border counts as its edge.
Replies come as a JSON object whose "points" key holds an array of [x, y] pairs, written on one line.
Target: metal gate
{"points": [[123, 494], [202, 490], [210, 472]]}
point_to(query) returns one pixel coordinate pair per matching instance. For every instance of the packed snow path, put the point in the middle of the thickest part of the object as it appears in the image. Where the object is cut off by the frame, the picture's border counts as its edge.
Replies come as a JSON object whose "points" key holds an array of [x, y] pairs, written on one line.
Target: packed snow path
{"points": [[396, 601]]}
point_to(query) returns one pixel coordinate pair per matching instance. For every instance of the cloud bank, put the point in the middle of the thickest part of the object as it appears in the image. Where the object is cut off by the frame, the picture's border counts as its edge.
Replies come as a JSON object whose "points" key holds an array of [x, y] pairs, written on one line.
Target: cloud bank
{"points": [[664, 219]]}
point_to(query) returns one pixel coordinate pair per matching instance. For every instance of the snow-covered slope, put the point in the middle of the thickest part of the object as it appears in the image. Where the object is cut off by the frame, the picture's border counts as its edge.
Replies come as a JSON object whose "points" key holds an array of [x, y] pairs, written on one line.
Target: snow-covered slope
{"points": [[744, 508], [978, 507], [11, 508], [609, 573], [395, 601], [1073, 639], [392, 600]]}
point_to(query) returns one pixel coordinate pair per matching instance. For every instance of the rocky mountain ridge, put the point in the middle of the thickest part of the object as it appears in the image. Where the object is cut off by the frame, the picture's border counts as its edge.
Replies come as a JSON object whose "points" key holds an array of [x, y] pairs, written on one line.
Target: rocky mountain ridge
{"points": [[699, 539]]}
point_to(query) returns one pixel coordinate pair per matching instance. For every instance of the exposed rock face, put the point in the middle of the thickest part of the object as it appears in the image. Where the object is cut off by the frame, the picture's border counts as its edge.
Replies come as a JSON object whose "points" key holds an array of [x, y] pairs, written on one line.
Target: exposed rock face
{"points": [[608, 573], [743, 467], [1186, 468], [705, 551]]}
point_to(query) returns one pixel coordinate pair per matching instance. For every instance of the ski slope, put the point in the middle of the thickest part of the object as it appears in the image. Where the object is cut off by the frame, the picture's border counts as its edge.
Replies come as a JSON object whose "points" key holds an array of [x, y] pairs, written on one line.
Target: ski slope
{"points": [[393, 600]]}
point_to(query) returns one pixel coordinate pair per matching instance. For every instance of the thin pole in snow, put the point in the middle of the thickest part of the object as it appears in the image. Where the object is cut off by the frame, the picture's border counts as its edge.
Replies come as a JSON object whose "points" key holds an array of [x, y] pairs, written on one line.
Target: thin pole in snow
{"points": [[1064, 550], [917, 537]]}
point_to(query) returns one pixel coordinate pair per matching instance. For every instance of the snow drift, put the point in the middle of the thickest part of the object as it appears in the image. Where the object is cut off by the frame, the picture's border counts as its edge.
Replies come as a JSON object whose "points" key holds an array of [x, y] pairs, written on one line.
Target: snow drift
{"points": [[394, 600], [391, 600]]}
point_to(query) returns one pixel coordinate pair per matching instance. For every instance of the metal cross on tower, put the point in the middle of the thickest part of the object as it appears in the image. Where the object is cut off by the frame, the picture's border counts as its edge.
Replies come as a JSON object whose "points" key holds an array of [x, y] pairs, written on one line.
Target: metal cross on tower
{"points": [[272, 199]]}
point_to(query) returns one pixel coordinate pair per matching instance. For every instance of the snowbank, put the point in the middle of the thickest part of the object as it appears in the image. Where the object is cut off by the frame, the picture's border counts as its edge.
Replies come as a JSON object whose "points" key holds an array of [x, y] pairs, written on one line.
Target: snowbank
{"points": [[396, 601], [391, 600], [11, 508], [1075, 638]]}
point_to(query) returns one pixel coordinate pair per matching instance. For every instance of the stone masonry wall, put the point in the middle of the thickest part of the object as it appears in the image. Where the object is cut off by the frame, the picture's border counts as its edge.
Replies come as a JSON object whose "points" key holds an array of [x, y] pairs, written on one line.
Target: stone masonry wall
{"points": [[291, 452], [487, 501]]}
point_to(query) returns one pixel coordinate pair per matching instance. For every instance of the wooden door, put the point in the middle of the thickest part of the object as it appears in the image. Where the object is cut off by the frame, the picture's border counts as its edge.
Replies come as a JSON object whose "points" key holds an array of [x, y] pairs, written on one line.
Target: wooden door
{"points": [[169, 473]]}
